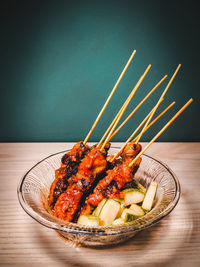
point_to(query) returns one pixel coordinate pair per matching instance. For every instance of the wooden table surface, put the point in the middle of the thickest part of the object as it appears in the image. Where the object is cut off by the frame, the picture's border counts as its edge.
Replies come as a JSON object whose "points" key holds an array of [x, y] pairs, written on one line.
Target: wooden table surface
{"points": [[175, 241]]}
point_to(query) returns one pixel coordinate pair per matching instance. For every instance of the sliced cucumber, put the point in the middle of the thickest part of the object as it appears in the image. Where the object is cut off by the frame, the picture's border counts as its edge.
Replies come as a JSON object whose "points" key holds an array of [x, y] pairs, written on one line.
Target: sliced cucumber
{"points": [[136, 210], [132, 213], [120, 200], [88, 220], [122, 206], [149, 197], [98, 209], [109, 212], [118, 221], [124, 213], [134, 196], [130, 217]]}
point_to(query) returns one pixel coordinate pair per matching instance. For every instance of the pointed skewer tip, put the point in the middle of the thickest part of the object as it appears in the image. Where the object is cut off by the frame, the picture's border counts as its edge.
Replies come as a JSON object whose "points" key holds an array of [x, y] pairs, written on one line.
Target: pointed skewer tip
{"points": [[179, 65]]}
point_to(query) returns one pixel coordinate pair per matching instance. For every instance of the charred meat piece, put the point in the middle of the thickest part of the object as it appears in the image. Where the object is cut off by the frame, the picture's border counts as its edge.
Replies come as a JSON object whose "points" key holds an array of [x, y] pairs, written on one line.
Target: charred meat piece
{"points": [[69, 166], [105, 150], [75, 154], [89, 169], [131, 150]]}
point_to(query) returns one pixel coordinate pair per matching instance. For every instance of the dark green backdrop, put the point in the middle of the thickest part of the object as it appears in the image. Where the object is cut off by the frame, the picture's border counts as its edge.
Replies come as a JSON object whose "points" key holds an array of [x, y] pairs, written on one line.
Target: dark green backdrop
{"points": [[60, 60]]}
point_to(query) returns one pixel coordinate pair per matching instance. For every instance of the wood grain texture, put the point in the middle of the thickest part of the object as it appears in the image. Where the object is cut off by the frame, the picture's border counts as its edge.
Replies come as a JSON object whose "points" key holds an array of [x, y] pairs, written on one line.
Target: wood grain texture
{"points": [[175, 241]]}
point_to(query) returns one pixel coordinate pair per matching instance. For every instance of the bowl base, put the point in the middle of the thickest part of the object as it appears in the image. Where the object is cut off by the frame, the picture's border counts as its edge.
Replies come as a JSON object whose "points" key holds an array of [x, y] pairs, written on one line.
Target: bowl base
{"points": [[97, 241]]}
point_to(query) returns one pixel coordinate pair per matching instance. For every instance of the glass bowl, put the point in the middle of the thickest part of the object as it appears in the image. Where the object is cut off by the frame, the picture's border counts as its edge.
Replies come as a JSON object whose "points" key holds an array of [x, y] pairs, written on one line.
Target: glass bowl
{"points": [[34, 188]]}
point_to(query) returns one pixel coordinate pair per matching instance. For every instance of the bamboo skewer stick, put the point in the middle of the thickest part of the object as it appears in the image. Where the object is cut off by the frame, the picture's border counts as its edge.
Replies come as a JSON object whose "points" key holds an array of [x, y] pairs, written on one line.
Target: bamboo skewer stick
{"points": [[158, 117], [138, 106], [161, 131], [130, 137], [121, 109], [137, 129], [109, 97], [158, 103], [112, 123], [125, 105]]}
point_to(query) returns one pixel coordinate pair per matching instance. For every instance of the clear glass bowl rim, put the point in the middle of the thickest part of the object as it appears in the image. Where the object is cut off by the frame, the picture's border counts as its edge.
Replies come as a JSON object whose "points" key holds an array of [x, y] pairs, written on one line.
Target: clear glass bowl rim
{"points": [[73, 228]]}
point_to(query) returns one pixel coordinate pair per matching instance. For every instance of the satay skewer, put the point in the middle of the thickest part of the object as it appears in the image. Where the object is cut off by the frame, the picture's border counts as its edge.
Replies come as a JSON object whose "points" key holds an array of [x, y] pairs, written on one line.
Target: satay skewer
{"points": [[161, 131], [109, 97], [138, 106], [124, 107], [158, 103]]}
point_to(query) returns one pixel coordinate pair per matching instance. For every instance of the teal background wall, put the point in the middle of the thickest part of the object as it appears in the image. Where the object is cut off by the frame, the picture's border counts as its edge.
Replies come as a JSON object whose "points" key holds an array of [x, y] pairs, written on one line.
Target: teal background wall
{"points": [[60, 59]]}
